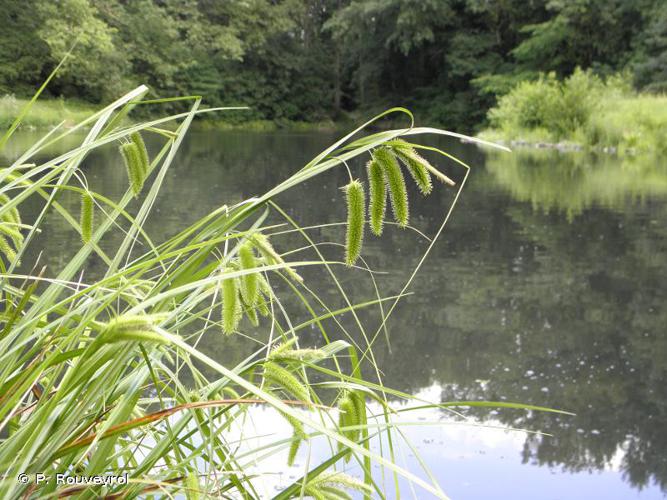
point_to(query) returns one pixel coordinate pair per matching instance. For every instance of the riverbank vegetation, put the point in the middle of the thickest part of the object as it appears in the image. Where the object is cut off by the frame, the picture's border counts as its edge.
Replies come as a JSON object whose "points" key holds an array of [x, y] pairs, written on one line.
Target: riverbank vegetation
{"points": [[583, 109], [46, 113], [328, 60]]}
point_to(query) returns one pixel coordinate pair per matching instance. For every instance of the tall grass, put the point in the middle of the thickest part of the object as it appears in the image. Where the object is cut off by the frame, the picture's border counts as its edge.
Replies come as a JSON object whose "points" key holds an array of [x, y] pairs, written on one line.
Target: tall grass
{"points": [[92, 372]]}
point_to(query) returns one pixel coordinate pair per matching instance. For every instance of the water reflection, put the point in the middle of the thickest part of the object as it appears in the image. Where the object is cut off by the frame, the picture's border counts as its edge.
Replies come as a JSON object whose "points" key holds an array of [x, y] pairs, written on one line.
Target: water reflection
{"points": [[548, 287], [574, 182]]}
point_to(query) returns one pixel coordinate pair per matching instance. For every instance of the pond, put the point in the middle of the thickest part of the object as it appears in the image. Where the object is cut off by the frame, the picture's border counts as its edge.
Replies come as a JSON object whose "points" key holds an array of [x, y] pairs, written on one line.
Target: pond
{"points": [[547, 287]]}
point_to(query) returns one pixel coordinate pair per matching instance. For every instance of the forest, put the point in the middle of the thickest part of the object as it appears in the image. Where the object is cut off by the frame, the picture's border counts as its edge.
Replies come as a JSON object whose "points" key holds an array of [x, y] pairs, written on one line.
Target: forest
{"points": [[448, 61]]}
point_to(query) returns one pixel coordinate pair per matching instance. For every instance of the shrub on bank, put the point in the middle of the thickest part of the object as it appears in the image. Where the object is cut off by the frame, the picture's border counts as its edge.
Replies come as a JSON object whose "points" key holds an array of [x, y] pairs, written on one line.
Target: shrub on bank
{"points": [[585, 109]]}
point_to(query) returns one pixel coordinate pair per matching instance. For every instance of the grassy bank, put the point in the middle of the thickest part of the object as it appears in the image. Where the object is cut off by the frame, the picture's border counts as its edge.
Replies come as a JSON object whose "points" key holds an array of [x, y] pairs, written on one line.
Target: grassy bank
{"points": [[49, 112], [46, 113], [583, 109], [270, 125]]}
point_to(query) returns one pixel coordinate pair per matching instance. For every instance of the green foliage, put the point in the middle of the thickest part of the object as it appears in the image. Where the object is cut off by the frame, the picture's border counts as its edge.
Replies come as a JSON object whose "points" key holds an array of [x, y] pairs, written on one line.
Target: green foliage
{"points": [[192, 485], [559, 108], [22, 54], [249, 293], [650, 60], [8, 230], [583, 33], [97, 65], [384, 171], [320, 60], [293, 449], [631, 124]]}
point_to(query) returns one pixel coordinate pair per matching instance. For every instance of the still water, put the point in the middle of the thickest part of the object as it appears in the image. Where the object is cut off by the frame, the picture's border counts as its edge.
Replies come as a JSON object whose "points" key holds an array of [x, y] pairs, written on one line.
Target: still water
{"points": [[548, 287]]}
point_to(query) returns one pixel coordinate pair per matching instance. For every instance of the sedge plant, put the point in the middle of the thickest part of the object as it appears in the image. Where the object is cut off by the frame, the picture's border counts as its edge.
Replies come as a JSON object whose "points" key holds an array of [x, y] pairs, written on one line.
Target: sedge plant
{"points": [[91, 370]]}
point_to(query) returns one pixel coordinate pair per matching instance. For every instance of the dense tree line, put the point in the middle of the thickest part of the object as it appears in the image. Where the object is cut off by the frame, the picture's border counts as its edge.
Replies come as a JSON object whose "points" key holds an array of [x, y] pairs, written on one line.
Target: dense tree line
{"points": [[320, 59]]}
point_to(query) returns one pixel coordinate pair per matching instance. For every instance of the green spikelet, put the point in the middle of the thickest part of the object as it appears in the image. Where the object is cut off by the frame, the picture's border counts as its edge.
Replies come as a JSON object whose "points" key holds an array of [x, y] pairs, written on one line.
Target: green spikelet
{"points": [[285, 353], [351, 415], [136, 321], [13, 234], [87, 217], [397, 190], [12, 216], [342, 422], [282, 378], [279, 349], [264, 286], [6, 249], [231, 305], [378, 196], [16, 216], [302, 355], [263, 307], [356, 217], [249, 282], [341, 480], [297, 427], [192, 485], [293, 449], [265, 248], [359, 400], [296, 424], [332, 486], [416, 165], [133, 328], [265, 296], [132, 159], [144, 161], [251, 313], [333, 493], [267, 251], [347, 417], [315, 492]]}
